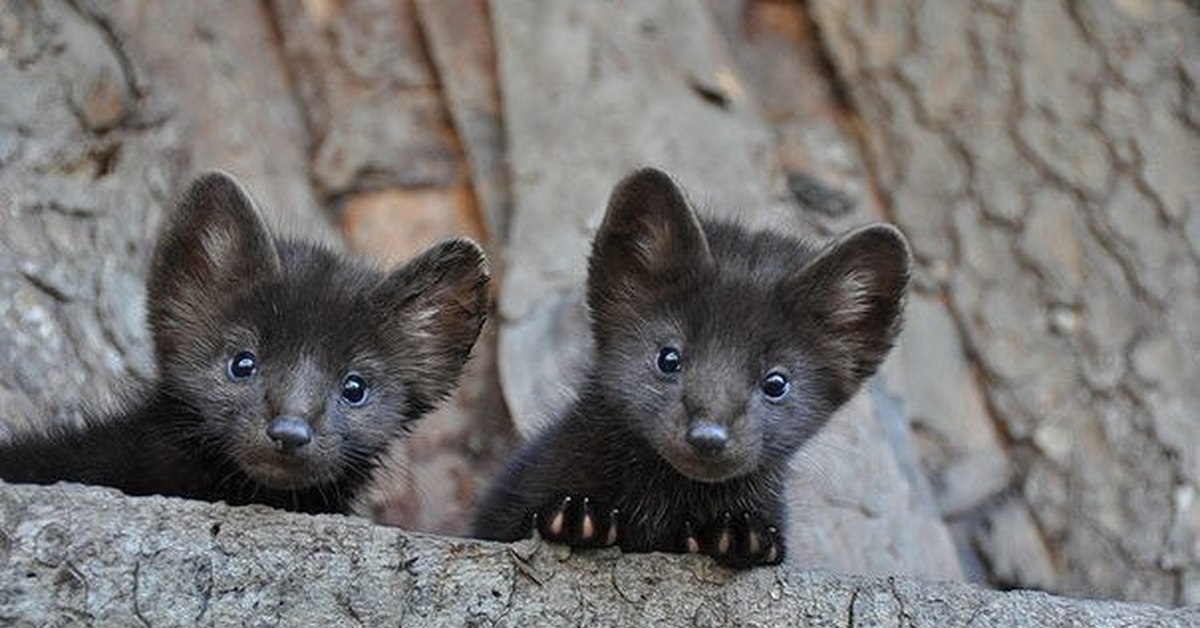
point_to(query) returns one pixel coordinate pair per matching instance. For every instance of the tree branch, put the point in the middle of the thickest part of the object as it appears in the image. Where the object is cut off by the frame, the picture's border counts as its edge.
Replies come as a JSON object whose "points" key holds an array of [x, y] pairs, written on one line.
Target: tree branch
{"points": [[96, 556]]}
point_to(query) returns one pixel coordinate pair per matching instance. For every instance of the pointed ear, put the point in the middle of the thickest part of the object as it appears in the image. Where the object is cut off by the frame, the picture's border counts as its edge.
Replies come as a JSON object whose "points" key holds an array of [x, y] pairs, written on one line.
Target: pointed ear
{"points": [[212, 248], [432, 309], [854, 291], [650, 236]]}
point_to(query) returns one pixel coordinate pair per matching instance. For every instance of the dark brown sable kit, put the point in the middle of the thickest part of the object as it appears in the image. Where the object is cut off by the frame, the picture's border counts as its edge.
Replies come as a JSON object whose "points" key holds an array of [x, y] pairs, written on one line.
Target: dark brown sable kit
{"points": [[284, 368], [719, 353]]}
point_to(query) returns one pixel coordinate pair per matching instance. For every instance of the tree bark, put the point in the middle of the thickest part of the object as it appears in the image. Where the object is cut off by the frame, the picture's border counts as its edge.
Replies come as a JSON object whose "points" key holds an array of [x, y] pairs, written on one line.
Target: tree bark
{"points": [[1034, 427], [77, 555], [1042, 158], [107, 109]]}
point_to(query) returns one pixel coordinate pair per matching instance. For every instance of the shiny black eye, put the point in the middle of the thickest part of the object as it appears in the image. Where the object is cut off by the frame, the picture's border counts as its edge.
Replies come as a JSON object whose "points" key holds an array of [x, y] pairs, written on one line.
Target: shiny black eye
{"points": [[669, 360], [354, 390], [775, 386], [242, 365]]}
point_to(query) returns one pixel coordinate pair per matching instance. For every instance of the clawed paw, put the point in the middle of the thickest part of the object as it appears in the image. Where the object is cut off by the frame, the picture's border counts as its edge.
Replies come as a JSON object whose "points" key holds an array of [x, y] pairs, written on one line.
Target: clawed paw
{"points": [[578, 522], [743, 541]]}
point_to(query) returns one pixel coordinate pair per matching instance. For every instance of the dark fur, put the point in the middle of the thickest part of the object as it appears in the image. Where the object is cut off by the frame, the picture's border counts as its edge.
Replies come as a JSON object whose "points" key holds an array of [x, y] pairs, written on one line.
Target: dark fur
{"points": [[738, 305], [219, 285]]}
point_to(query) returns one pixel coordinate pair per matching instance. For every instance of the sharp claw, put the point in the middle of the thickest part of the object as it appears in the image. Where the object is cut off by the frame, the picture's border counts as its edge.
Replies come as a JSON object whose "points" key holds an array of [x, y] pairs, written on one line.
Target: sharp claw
{"points": [[772, 555], [611, 539], [536, 531], [588, 527], [559, 521], [692, 545], [753, 541], [725, 539]]}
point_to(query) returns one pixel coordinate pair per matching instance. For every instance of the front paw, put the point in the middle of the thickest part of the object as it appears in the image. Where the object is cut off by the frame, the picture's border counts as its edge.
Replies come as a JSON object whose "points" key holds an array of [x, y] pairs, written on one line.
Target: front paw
{"points": [[739, 542], [578, 522]]}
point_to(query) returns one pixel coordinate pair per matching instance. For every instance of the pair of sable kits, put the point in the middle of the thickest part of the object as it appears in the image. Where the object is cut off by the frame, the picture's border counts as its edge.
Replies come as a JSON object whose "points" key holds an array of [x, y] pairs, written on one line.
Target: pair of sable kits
{"points": [[284, 371]]}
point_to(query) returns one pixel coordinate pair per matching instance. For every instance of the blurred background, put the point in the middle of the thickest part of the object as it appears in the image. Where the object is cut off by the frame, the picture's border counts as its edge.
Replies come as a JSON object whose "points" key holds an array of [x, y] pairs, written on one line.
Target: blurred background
{"points": [[1039, 424]]}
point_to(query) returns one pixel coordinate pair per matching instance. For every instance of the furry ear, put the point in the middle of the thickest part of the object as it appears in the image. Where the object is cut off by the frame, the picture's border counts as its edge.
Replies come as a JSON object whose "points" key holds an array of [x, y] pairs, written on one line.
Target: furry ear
{"points": [[214, 246], [650, 236], [432, 309], [854, 291]]}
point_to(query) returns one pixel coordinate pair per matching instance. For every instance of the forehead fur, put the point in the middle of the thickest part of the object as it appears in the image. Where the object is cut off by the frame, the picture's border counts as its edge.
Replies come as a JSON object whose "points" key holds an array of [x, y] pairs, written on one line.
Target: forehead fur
{"points": [[319, 302], [743, 297], [761, 257]]}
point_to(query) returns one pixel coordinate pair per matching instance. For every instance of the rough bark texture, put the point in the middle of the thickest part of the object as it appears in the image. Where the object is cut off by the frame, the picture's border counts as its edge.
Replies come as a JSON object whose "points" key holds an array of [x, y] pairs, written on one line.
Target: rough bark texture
{"points": [[1035, 427], [74, 555], [459, 37], [106, 110], [1042, 157]]}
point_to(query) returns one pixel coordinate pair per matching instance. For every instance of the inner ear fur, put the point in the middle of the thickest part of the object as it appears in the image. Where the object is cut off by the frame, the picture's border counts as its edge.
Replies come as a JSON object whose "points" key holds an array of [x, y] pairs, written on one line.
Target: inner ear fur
{"points": [[213, 247], [650, 236], [432, 309], [854, 290]]}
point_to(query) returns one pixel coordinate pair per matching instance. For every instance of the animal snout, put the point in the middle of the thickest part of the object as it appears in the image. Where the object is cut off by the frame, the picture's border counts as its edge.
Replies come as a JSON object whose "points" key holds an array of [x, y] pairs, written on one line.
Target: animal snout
{"points": [[289, 433], [708, 439]]}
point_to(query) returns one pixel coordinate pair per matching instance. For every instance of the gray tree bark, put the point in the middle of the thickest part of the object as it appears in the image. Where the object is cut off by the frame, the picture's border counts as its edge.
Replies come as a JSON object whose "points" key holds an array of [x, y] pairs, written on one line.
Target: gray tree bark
{"points": [[106, 110], [78, 556], [1035, 427], [1043, 159]]}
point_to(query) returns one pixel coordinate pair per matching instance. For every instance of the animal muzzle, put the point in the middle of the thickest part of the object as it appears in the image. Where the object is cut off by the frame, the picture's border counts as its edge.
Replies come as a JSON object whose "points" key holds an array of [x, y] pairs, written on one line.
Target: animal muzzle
{"points": [[289, 433], [707, 439]]}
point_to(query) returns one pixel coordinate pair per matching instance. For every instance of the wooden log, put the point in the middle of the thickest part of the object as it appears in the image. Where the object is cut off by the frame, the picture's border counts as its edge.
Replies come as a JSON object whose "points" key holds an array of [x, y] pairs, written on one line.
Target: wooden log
{"points": [[75, 555]]}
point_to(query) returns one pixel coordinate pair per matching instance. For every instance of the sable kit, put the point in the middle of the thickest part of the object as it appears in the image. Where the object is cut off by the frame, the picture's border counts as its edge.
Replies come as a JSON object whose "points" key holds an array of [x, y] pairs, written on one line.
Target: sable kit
{"points": [[285, 370]]}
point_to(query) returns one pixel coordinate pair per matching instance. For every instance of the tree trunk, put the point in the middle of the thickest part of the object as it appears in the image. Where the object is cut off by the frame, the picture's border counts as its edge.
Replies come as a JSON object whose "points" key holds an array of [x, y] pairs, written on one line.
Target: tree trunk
{"points": [[1043, 159], [75, 555], [1035, 426]]}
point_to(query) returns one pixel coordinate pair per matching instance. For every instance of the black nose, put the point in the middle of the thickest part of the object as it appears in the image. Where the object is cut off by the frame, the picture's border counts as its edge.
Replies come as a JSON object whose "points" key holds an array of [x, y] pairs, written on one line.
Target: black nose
{"points": [[290, 433], [707, 439]]}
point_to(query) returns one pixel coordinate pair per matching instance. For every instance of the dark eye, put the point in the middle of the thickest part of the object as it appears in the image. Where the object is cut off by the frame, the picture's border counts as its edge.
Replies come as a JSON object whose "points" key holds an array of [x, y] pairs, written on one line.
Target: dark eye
{"points": [[669, 360], [775, 386], [242, 365], [354, 390]]}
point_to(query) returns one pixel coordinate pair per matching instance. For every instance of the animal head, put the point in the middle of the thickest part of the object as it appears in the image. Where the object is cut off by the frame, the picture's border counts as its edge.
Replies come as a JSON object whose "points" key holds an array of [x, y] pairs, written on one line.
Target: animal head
{"points": [[302, 364], [725, 349]]}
